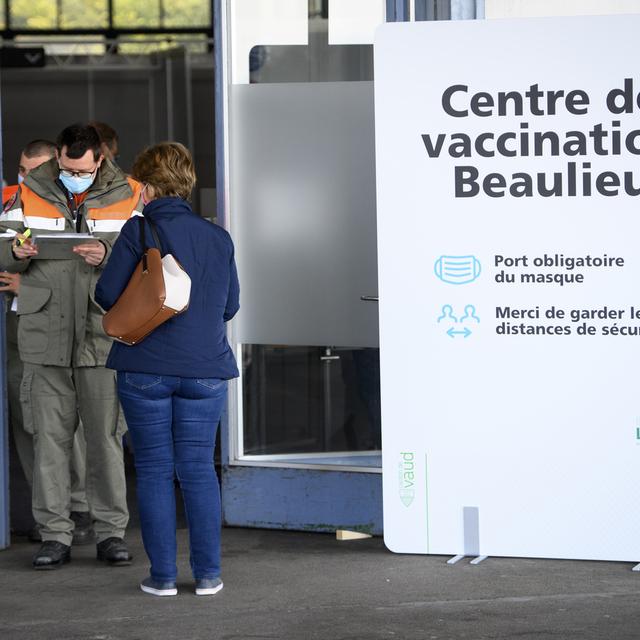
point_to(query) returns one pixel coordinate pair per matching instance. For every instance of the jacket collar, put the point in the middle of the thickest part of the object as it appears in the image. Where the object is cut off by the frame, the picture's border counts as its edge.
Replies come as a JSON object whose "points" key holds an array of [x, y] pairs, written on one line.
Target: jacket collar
{"points": [[167, 205]]}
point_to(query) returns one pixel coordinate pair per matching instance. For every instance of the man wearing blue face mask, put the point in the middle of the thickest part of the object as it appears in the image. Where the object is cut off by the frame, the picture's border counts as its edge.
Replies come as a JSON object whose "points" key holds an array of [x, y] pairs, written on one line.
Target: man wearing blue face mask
{"points": [[62, 343]]}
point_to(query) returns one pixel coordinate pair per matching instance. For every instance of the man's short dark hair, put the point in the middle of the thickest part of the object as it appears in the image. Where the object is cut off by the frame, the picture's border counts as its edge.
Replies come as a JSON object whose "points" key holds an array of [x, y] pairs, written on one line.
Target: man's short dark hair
{"points": [[40, 148], [80, 138]]}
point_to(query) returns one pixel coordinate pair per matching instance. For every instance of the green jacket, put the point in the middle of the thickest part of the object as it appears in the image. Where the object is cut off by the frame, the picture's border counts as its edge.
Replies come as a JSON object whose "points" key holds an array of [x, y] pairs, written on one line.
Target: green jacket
{"points": [[60, 321]]}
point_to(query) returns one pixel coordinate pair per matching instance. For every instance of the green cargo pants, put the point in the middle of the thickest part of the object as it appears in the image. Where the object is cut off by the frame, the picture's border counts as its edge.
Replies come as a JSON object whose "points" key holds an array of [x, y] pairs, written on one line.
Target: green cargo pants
{"points": [[52, 398], [23, 434]]}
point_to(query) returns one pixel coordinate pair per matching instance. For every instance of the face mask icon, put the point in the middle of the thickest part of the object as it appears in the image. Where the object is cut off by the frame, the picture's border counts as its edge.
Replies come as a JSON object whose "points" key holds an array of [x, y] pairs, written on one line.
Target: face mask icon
{"points": [[457, 269]]}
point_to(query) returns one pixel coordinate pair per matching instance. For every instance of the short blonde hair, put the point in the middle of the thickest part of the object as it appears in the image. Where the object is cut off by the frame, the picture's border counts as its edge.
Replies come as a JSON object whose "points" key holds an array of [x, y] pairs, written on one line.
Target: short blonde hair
{"points": [[168, 168]]}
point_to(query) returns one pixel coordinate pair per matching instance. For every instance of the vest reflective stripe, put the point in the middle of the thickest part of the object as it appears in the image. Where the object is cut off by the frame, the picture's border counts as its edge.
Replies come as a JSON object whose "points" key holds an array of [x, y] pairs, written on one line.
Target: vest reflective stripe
{"points": [[14, 215], [31, 201], [120, 210], [50, 224], [106, 226]]}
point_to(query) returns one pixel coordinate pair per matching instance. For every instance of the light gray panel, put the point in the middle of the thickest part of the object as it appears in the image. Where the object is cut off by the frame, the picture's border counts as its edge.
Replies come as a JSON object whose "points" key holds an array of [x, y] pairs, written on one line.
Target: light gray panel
{"points": [[471, 530], [303, 212]]}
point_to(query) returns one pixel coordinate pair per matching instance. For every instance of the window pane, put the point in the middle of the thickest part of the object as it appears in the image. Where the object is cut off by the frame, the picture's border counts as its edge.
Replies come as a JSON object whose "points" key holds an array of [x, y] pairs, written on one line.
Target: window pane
{"points": [[310, 399], [84, 14], [132, 14], [187, 13], [33, 14]]}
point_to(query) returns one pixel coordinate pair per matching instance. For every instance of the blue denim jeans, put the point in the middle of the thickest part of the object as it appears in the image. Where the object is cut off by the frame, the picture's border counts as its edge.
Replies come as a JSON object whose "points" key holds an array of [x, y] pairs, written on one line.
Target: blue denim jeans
{"points": [[173, 423]]}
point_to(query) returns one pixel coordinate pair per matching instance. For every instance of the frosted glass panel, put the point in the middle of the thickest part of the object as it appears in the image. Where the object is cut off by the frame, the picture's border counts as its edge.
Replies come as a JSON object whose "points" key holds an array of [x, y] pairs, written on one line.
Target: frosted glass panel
{"points": [[303, 213]]}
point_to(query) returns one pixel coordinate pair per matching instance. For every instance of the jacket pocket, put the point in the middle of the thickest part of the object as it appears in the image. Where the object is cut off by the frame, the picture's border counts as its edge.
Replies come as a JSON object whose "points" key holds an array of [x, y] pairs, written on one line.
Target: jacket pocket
{"points": [[33, 323]]}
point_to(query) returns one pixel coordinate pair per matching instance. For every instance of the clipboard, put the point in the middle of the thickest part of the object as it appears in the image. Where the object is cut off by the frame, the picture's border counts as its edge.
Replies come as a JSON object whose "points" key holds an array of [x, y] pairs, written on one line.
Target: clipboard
{"points": [[58, 246]]}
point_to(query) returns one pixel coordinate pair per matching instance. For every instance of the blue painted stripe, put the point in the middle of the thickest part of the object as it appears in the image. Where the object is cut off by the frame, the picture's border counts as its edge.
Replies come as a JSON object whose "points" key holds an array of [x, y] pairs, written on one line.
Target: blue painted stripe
{"points": [[301, 499]]}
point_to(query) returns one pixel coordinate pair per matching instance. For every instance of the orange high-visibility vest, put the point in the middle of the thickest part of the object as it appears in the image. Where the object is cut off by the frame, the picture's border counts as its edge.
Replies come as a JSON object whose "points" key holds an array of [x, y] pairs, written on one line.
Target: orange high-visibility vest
{"points": [[39, 213], [9, 192]]}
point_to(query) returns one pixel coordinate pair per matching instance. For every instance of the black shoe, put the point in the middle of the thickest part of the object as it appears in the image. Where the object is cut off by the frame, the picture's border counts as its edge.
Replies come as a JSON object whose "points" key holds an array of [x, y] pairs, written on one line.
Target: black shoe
{"points": [[51, 555], [114, 551], [83, 532]]}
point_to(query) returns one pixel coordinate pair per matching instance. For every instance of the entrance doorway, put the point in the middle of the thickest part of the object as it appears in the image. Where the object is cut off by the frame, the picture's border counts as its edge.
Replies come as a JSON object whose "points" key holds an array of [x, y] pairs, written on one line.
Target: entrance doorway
{"points": [[303, 449]]}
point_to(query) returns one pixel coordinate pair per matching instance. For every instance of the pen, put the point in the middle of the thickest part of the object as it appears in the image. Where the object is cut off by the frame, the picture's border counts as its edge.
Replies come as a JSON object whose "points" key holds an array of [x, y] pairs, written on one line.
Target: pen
{"points": [[25, 235]]}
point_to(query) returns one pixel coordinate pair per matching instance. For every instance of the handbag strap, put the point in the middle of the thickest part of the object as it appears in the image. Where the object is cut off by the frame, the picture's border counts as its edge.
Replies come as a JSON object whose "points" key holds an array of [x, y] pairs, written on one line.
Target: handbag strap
{"points": [[143, 239], [154, 233], [143, 244]]}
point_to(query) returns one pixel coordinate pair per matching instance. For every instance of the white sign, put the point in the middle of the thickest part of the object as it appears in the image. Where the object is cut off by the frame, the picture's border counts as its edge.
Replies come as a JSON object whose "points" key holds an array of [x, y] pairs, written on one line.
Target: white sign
{"points": [[508, 167]]}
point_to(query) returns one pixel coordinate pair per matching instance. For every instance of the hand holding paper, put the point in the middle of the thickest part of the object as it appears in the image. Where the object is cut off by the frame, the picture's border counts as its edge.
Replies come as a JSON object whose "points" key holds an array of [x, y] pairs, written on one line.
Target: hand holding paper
{"points": [[92, 252], [23, 247]]}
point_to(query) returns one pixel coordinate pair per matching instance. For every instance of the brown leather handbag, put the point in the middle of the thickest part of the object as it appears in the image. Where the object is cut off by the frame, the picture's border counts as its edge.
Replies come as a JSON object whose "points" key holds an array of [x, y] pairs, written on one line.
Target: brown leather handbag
{"points": [[158, 290]]}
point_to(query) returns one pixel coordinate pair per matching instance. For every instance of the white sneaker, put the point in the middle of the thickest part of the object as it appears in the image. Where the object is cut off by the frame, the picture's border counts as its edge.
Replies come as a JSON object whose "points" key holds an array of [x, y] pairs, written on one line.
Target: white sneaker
{"points": [[208, 586], [149, 585]]}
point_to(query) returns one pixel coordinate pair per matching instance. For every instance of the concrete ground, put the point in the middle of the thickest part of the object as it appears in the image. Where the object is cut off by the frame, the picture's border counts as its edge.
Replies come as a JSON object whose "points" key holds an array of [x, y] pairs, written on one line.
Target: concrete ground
{"points": [[303, 586]]}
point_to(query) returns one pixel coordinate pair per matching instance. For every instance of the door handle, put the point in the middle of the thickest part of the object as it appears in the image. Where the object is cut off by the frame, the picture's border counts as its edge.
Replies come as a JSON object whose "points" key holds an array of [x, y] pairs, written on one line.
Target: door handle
{"points": [[369, 298], [327, 357]]}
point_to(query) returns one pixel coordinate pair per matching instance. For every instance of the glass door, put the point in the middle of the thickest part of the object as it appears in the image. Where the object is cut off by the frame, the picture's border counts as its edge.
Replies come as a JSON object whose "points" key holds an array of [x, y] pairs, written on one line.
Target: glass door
{"points": [[310, 405], [303, 445]]}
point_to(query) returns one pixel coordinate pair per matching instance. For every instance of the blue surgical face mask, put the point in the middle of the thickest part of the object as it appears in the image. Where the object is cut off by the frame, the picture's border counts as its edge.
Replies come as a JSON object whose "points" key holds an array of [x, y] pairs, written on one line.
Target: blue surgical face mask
{"points": [[75, 184], [20, 178]]}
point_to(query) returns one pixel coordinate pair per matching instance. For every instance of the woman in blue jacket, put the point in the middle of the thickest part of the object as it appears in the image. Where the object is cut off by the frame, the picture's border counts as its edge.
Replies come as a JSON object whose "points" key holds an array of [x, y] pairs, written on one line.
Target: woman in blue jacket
{"points": [[173, 384]]}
